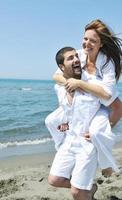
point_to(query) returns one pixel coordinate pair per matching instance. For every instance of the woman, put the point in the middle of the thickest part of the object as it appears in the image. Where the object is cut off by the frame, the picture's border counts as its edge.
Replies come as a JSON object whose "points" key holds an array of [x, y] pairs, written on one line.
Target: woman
{"points": [[101, 56]]}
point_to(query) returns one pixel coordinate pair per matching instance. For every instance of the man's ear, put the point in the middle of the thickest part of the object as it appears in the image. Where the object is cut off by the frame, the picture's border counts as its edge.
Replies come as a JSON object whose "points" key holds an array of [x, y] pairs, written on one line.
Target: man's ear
{"points": [[61, 67]]}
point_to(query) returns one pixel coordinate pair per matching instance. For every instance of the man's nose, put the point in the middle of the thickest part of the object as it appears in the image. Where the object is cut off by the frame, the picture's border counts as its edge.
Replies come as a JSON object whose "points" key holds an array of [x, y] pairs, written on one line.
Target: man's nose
{"points": [[76, 59]]}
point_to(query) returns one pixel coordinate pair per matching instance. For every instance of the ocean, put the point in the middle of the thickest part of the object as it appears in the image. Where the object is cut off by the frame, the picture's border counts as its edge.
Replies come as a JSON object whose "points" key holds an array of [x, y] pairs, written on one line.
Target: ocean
{"points": [[24, 105]]}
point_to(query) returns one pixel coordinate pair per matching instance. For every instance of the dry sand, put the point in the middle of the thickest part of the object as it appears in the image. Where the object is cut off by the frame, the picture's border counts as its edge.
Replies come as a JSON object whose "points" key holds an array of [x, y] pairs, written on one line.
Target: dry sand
{"points": [[25, 178]]}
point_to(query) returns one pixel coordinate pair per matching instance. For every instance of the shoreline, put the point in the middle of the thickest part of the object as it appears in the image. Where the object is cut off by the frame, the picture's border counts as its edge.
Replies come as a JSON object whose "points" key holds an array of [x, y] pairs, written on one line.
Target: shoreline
{"points": [[26, 150], [21, 151]]}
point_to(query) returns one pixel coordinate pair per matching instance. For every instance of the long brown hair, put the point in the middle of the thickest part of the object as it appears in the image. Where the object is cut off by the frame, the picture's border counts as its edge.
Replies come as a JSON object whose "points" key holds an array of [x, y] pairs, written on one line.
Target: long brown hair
{"points": [[112, 45]]}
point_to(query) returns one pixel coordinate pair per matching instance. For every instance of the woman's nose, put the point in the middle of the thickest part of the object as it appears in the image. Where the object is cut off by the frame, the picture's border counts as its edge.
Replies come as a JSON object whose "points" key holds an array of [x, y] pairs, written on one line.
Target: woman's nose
{"points": [[87, 42]]}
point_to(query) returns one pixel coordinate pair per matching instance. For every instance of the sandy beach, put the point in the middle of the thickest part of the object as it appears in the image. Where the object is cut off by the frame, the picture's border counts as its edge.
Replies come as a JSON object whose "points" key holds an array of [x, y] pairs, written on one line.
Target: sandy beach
{"points": [[25, 178]]}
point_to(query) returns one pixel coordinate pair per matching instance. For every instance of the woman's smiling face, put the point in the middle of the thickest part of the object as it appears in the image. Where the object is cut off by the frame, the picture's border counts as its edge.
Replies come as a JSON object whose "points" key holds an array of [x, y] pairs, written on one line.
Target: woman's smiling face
{"points": [[91, 43]]}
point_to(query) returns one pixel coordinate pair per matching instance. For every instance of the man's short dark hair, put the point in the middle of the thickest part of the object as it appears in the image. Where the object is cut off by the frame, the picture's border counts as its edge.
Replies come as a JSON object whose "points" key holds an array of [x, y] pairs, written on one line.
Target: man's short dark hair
{"points": [[60, 54]]}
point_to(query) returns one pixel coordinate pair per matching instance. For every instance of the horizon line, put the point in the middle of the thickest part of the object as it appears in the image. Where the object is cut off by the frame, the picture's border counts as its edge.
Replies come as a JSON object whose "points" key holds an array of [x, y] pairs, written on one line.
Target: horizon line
{"points": [[26, 79]]}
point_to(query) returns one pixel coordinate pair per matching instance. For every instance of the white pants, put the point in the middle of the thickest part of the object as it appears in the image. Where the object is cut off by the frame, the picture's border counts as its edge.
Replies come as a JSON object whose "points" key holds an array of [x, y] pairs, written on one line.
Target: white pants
{"points": [[52, 121], [103, 139], [76, 163]]}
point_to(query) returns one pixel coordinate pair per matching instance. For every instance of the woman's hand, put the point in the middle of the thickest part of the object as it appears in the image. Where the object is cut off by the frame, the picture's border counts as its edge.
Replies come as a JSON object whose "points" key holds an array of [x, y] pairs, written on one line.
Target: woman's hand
{"points": [[71, 84]]}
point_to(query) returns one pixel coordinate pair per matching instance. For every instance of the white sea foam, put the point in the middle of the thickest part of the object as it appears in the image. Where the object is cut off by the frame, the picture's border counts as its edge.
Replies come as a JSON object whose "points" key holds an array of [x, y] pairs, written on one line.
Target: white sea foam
{"points": [[26, 88], [26, 142]]}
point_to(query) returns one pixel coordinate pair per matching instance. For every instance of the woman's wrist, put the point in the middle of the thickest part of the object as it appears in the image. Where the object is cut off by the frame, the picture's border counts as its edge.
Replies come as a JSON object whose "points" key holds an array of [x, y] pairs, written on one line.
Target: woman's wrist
{"points": [[79, 83]]}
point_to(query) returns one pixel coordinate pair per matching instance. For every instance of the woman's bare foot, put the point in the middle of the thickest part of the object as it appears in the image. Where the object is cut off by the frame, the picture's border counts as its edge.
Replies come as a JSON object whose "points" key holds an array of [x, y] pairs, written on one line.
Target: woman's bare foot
{"points": [[107, 172]]}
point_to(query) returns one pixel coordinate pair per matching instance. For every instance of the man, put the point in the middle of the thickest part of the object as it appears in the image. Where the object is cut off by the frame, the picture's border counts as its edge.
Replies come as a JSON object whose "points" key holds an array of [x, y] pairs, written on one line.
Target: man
{"points": [[115, 115], [75, 163]]}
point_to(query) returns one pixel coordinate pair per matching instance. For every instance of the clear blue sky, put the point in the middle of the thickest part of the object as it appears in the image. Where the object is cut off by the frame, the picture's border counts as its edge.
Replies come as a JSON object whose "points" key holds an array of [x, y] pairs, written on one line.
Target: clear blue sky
{"points": [[31, 32]]}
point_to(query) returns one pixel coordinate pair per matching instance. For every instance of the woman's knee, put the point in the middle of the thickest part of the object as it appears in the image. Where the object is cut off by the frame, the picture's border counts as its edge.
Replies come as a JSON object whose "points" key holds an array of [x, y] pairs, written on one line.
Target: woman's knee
{"points": [[48, 121], [52, 121]]}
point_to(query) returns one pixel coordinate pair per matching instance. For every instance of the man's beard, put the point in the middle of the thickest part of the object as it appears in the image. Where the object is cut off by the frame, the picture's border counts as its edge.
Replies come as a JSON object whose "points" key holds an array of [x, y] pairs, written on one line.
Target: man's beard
{"points": [[77, 76]]}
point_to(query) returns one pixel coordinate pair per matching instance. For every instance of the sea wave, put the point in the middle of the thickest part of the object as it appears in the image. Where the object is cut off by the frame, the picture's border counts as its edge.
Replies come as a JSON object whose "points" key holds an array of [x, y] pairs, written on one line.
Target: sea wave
{"points": [[26, 88], [26, 142]]}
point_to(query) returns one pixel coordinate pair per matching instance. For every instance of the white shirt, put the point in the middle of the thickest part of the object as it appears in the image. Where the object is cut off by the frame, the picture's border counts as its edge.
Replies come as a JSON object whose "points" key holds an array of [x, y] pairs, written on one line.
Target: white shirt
{"points": [[83, 109]]}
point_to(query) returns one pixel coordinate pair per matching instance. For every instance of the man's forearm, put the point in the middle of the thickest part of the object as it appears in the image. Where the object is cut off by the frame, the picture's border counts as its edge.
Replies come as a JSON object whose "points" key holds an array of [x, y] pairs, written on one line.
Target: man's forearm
{"points": [[116, 112], [114, 118]]}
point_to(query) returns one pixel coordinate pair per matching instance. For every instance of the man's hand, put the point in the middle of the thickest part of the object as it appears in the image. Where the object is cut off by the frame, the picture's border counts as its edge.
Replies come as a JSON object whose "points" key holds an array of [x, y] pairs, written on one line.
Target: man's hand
{"points": [[63, 127], [116, 112]]}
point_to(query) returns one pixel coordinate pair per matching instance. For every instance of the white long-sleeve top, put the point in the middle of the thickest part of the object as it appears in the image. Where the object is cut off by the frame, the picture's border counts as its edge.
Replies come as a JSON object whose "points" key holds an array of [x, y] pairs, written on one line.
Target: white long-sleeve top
{"points": [[83, 109]]}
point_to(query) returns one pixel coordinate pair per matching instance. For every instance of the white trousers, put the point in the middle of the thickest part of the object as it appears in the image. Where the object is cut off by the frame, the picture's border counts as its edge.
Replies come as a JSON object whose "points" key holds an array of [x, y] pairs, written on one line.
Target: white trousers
{"points": [[76, 163], [52, 121], [103, 139]]}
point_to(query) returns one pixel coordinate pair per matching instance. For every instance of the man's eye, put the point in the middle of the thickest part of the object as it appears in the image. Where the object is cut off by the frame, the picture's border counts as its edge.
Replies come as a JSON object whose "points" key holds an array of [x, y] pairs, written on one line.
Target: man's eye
{"points": [[70, 58]]}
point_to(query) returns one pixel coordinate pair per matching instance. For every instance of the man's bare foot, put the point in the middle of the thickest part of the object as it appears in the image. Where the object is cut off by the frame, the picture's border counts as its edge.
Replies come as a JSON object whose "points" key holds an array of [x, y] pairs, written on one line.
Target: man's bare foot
{"points": [[93, 191], [107, 172]]}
